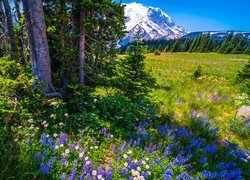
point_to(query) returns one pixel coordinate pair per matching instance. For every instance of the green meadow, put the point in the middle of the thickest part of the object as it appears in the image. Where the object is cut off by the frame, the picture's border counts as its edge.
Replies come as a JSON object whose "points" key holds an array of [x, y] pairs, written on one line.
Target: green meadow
{"points": [[213, 96]]}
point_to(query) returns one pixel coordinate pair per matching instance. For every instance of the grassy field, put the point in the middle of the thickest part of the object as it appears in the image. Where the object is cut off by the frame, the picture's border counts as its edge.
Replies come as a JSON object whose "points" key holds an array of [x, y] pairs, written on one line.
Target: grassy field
{"points": [[213, 96]]}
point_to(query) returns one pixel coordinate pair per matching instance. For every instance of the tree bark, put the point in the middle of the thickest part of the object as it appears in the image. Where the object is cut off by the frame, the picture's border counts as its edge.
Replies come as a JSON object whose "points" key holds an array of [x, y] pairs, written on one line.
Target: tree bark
{"points": [[3, 37], [81, 48], [37, 34], [19, 16], [13, 46], [31, 39]]}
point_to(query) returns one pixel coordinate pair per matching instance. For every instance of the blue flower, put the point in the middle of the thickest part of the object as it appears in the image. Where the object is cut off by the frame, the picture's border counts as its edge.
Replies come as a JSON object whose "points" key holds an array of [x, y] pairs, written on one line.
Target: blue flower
{"points": [[73, 175], [63, 138], [210, 149], [63, 177], [43, 139], [46, 167], [168, 174], [183, 176]]}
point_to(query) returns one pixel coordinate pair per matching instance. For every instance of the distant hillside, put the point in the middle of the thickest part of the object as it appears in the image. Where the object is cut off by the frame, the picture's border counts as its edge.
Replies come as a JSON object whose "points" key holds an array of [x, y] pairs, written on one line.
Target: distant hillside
{"points": [[216, 35]]}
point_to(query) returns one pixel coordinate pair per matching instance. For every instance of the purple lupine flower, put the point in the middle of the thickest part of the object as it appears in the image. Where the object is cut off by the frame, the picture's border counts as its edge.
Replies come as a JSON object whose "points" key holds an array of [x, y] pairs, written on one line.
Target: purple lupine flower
{"points": [[63, 138], [183, 176], [209, 174], [168, 175], [73, 174], [43, 139], [214, 130], [204, 160], [210, 149], [123, 146], [63, 176], [64, 160], [81, 177], [72, 146], [50, 142], [38, 156], [27, 142], [46, 167], [75, 162]]}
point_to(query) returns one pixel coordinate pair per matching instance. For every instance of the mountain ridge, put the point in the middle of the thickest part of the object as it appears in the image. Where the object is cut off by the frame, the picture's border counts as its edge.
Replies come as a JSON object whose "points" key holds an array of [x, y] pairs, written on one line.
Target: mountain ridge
{"points": [[152, 22]]}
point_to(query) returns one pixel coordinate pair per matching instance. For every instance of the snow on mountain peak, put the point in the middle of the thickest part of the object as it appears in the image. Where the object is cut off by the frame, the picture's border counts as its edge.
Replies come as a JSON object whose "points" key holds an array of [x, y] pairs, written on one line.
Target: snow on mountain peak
{"points": [[153, 22]]}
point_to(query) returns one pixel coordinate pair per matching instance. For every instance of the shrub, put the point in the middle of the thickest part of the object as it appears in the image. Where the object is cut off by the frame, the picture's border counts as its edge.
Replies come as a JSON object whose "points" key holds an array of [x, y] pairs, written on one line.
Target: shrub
{"points": [[197, 73], [243, 79], [157, 52]]}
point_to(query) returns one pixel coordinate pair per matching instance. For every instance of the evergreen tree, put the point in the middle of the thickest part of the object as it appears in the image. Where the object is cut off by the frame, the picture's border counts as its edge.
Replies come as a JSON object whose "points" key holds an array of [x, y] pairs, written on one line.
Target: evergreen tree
{"points": [[224, 45]]}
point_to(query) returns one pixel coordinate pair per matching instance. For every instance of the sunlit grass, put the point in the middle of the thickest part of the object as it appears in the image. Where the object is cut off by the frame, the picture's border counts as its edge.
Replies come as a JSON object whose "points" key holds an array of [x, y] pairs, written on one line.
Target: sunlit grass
{"points": [[180, 94]]}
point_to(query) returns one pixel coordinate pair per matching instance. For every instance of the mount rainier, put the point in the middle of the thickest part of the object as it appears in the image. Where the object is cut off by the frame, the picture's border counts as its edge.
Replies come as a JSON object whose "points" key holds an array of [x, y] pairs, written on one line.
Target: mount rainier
{"points": [[152, 22]]}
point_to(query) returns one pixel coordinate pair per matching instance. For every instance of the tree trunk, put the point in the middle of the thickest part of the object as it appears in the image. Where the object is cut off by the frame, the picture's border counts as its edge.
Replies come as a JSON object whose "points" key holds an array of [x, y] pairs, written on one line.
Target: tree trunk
{"points": [[30, 36], [10, 26], [81, 48], [3, 36], [37, 35], [19, 16]]}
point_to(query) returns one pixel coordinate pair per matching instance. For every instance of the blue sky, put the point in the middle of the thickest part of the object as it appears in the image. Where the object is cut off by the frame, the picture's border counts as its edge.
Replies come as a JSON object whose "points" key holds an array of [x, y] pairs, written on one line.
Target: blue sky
{"points": [[199, 15]]}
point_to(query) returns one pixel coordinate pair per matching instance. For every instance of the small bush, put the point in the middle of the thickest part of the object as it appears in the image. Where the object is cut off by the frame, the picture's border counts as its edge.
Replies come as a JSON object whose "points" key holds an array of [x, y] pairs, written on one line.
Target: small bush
{"points": [[243, 79], [157, 52], [197, 73]]}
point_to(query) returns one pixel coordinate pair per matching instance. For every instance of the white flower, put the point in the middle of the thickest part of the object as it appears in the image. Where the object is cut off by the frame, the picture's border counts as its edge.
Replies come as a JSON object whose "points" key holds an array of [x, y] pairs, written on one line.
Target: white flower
{"points": [[55, 135], [138, 168], [47, 135], [67, 151], [99, 176], [125, 156], [135, 161], [125, 164], [137, 173], [96, 147], [129, 152], [46, 125], [44, 122], [53, 104], [86, 158], [61, 124], [30, 121], [77, 147], [61, 145], [91, 147], [16, 140], [143, 162], [94, 172], [141, 178], [146, 159], [95, 100], [135, 178], [111, 136], [19, 127], [52, 116], [37, 128], [32, 135], [102, 179], [147, 166], [66, 115], [88, 162], [56, 147], [81, 154], [149, 173]]}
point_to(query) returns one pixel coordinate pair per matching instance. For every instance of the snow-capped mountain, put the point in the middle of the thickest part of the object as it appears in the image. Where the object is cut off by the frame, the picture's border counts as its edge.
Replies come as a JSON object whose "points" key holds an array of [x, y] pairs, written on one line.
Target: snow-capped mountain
{"points": [[152, 22]]}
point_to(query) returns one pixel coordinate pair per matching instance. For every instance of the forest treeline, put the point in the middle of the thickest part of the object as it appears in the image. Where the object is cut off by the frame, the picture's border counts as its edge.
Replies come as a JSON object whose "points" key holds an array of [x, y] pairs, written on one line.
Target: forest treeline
{"points": [[69, 41], [204, 43]]}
